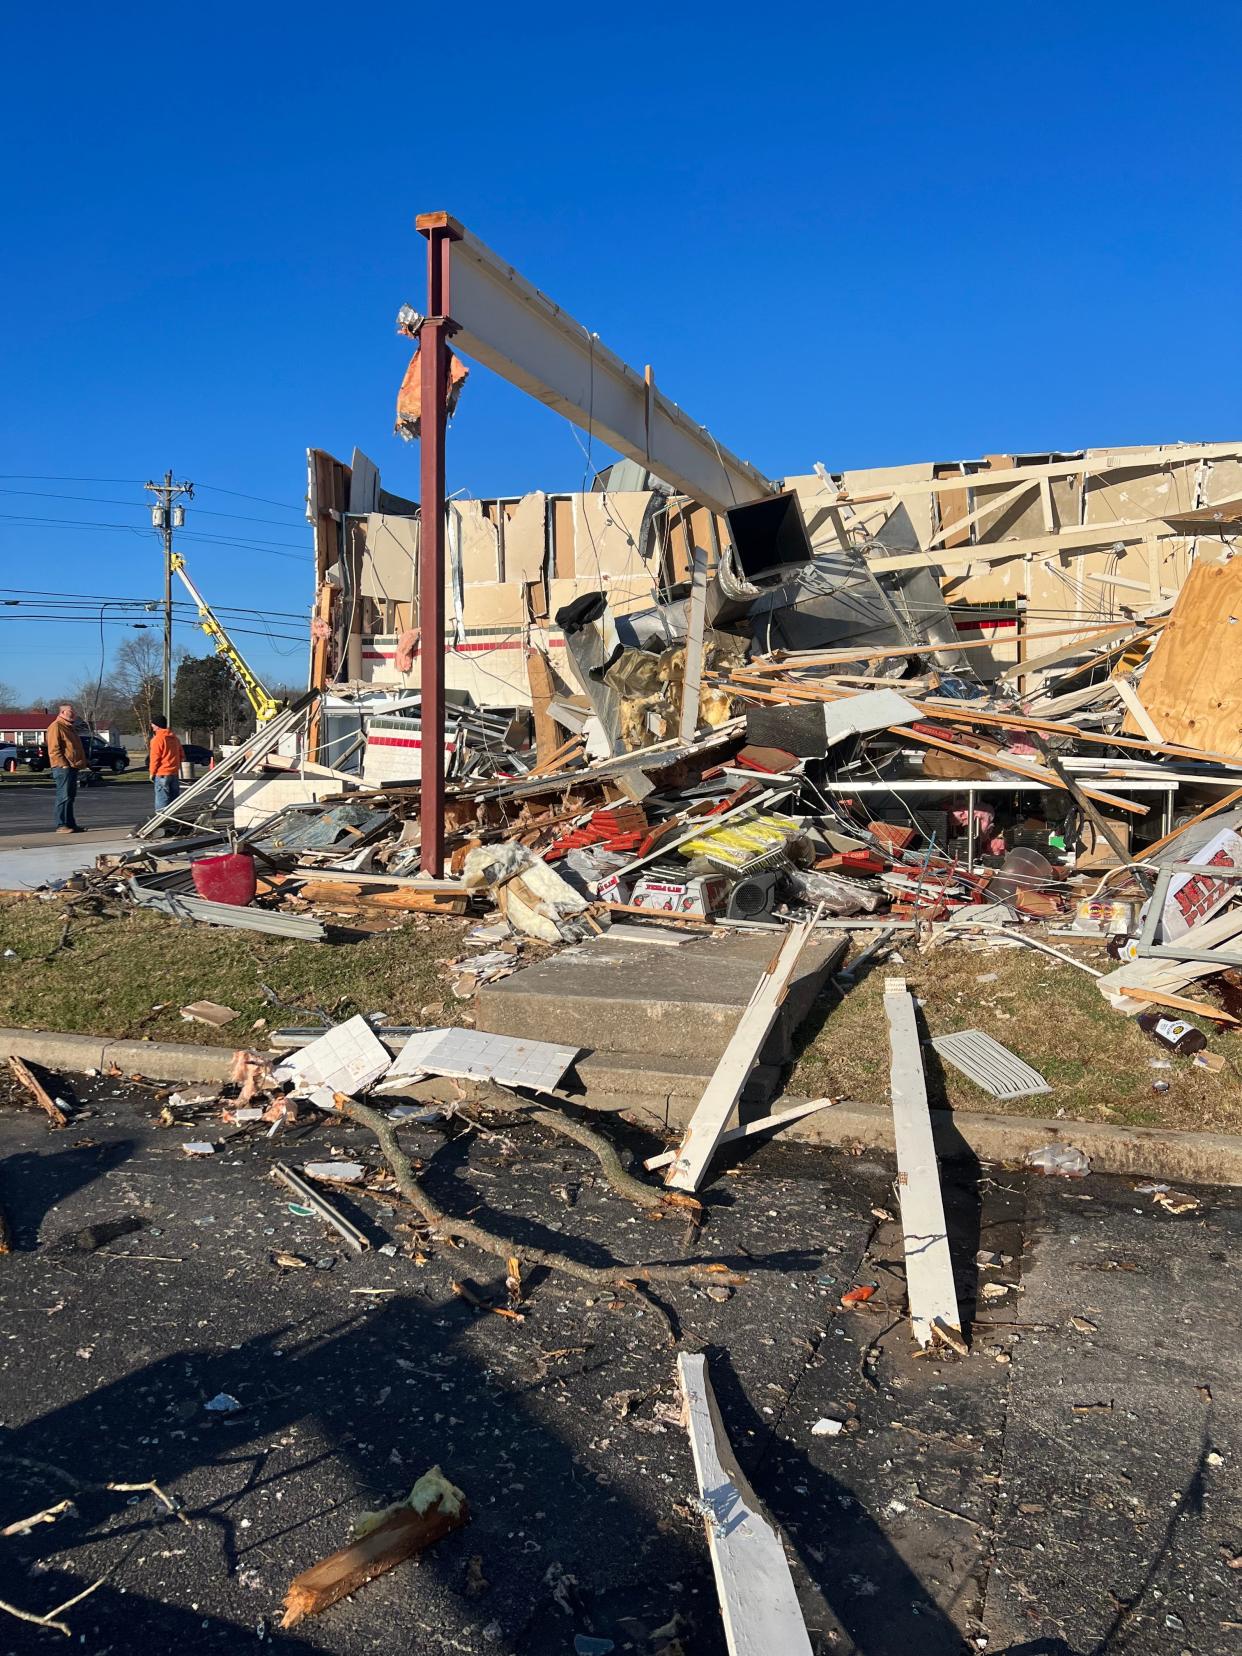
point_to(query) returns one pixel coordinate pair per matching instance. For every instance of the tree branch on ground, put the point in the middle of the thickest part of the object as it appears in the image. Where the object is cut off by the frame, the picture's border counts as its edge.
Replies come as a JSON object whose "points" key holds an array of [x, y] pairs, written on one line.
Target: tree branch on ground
{"points": [[617, 1275]]}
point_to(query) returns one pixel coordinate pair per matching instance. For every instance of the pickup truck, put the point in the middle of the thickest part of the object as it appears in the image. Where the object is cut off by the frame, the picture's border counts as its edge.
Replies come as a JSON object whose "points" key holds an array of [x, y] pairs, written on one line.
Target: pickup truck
{"points": [[100, 755]]}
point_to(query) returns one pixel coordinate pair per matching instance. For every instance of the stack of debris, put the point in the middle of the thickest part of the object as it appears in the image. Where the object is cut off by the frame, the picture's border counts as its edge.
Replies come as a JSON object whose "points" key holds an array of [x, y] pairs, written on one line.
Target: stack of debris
{"points": [[863, 787]]}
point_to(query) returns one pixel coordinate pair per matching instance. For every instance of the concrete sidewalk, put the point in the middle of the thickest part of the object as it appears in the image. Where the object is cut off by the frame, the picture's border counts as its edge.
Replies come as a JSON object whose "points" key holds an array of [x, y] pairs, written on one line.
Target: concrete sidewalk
{"points": [[28, 861], [1157, 1152]]}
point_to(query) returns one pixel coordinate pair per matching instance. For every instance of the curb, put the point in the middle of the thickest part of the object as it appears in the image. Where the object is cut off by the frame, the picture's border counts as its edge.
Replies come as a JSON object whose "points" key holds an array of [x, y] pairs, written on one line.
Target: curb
{"points": [[157, 1060], [1197, 1158], [1160, 1152]]}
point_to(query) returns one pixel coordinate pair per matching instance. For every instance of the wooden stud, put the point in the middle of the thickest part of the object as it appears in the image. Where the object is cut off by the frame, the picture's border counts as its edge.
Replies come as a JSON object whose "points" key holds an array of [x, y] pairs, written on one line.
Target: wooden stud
{"points": [[41, 1097], [404, 1532], [1130, 698], [712, 1112], [1179, 1003], [758, 1604], [929, 1270], [752, 1129]]}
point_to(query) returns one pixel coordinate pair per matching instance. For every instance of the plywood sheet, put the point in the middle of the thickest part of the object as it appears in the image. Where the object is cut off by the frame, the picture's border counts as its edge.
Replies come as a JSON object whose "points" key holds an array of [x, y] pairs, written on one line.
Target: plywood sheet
{"points": [[1193, 684]]}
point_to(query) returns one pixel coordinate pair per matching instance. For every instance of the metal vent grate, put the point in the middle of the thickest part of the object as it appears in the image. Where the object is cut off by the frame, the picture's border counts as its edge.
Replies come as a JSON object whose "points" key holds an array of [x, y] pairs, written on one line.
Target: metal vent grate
{"points": [[989, 1065]]}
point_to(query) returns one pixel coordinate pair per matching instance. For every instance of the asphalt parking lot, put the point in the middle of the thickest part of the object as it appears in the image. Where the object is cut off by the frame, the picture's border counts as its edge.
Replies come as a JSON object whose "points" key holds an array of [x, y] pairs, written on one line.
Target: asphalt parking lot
{"points": [[29, 807], [1069, 1487]]}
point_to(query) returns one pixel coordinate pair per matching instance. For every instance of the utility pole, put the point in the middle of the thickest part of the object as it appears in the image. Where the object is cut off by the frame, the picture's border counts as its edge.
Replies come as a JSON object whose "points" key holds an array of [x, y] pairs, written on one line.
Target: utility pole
{"points": [[167, 516]]}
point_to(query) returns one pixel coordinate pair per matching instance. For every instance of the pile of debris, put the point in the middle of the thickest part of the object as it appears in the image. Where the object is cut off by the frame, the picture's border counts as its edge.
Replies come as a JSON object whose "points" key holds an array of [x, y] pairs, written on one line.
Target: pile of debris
{"points": [[868, 787]]}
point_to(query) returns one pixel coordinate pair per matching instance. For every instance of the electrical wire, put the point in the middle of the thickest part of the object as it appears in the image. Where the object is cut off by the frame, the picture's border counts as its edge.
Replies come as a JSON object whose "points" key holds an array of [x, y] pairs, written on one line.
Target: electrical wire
{"points": [[263, 500], [61, 618], [138, 483], [91, 599], [267, 548], [140, 506]]}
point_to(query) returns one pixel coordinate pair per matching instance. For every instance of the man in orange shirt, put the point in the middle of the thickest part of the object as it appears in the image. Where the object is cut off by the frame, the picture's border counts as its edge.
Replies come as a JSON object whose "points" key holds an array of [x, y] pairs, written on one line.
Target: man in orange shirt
{"points": [[164, 764], [66, 757]]}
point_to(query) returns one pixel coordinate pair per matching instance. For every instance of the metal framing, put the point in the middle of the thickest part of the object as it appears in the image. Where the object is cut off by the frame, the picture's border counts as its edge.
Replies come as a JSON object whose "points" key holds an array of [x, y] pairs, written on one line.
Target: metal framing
{"points": [[512, 328], [433, 337]]}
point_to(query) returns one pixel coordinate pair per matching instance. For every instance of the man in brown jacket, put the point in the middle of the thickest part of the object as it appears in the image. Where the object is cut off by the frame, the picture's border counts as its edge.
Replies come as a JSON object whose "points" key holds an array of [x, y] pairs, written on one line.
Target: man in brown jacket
{"points": [[66, 757]]}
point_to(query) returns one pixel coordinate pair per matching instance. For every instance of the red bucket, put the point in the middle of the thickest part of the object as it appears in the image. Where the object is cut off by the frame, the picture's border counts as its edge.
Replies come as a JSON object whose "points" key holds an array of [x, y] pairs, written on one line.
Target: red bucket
{"points": [[227, 879]]}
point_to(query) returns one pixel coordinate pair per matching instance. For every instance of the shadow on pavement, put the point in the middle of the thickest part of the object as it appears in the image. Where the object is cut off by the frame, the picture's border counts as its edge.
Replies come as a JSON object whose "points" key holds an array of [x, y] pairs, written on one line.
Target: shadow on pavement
{"points": [[36, 1182], [347, 1420], [857, 1578]]}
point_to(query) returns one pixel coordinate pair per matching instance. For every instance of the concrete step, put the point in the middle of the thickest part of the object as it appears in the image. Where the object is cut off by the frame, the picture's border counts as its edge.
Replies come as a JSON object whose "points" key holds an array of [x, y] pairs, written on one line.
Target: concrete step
{"points": [[681, 1004], [636, 1074]]}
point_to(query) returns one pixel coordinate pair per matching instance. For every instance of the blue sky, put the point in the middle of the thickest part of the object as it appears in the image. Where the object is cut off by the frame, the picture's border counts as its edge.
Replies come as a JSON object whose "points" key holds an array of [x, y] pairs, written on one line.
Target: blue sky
{"points": [[861, 235]]}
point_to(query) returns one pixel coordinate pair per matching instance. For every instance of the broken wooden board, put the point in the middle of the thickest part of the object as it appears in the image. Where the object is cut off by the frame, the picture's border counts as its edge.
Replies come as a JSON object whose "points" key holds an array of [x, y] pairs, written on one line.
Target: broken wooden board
{"points": [[1192, 687], [435, 1507], [719, 1100], [1133, 704], [39, 1094], [929, 1270], [752, 1129], [758, 1604], [346, 896], [1179, 1003], [1169, 976]]}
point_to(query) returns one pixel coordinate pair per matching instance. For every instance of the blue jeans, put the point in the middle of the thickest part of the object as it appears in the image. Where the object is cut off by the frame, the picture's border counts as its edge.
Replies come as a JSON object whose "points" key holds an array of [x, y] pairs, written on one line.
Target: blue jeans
{"points": [[166, 790], [66, 781]]}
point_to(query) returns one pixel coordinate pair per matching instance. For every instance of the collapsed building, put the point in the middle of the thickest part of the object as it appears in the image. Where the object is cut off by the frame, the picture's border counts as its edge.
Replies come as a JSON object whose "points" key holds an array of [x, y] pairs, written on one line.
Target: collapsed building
{"points": [[651, 732], [502, 667]]}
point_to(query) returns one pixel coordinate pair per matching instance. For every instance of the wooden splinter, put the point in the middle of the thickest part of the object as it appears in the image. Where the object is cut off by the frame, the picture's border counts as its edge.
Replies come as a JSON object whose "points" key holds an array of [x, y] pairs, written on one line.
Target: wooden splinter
{"points": [[434, 1508]]}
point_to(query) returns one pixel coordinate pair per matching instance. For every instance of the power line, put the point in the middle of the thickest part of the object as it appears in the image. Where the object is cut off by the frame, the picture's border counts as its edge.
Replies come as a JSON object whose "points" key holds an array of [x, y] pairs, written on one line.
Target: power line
{"points": [[268, 549], [50, 477], [134, 482], [111, 598], [184, 616], [111, 500], [92, 619], [133, 528], [262, 499]]}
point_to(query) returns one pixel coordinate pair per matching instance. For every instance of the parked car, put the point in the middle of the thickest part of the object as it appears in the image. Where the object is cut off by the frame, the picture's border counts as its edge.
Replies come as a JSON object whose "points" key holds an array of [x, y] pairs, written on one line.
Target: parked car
{"points": [[196, 754], [100, 755], [8, 756]]}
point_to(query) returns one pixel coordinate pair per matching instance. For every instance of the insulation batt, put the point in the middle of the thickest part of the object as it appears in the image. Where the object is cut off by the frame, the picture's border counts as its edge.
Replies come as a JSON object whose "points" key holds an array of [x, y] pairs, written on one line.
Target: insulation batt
{"points": [[530, 895]]}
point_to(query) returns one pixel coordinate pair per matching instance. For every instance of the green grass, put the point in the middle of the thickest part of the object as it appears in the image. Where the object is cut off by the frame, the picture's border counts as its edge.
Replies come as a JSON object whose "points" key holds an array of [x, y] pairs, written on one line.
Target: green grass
{"points": [[1097, 1061], [131, 976]]}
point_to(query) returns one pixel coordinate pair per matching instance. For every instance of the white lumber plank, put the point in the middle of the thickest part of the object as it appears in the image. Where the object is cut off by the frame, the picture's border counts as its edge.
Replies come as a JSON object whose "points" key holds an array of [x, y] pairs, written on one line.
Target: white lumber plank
{"points": [[758, 1604], [765, 1124], [720, 1096], [1130, 698], [994, 504], [929, 1270]]}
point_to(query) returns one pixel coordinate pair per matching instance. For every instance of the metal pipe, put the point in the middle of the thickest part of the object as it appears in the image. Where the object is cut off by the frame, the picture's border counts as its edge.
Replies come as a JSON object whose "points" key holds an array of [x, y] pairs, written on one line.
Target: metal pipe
{"points": [[310, 1197]]}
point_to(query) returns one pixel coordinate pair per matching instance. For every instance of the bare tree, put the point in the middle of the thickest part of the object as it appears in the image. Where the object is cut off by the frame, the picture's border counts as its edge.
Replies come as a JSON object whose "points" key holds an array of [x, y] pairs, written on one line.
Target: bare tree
{"points": [[8, 696], [138, 676], [101, 702]]}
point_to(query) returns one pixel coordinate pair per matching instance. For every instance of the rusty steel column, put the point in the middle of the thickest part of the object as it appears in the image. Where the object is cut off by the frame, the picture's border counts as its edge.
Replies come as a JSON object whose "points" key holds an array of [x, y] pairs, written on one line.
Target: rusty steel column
{"points": [[441, 233]]}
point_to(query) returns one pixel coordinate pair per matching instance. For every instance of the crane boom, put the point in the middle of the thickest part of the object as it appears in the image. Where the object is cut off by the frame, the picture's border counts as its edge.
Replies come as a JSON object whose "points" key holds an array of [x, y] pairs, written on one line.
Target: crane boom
{"points": [[257, 694]]}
